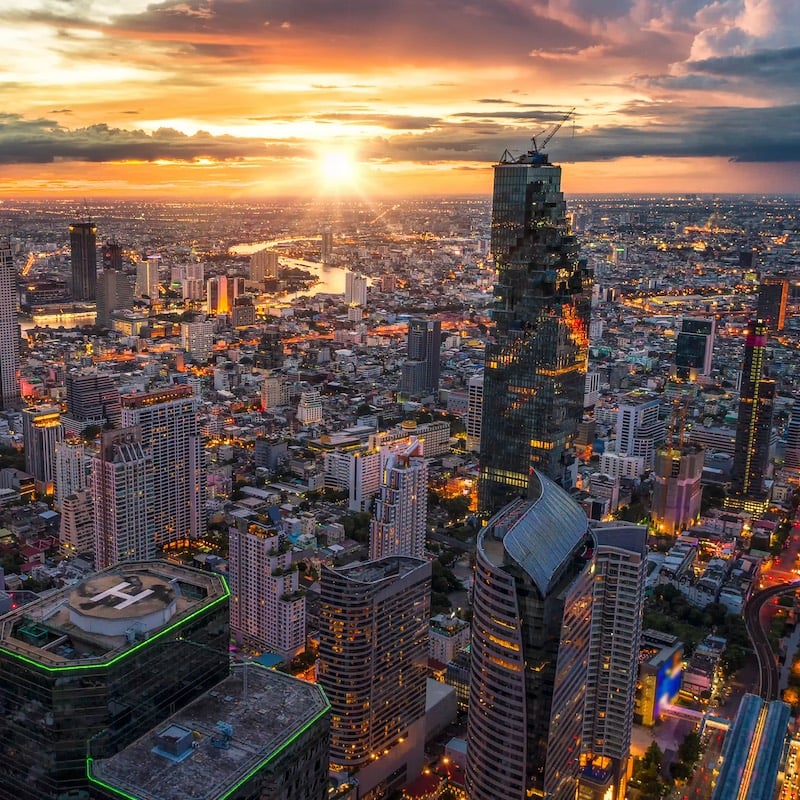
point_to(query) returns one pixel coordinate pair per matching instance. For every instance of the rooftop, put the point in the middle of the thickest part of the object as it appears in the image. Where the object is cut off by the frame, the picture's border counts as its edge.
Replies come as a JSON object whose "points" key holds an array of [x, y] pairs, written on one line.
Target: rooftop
{"points": [[540, 534], [108, 614], [265, 712], [382, 568]]}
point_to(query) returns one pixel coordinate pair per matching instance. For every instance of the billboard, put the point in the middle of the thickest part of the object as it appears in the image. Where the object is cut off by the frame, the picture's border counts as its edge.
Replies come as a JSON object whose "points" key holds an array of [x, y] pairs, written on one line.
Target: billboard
{"points": [[668, 682]]}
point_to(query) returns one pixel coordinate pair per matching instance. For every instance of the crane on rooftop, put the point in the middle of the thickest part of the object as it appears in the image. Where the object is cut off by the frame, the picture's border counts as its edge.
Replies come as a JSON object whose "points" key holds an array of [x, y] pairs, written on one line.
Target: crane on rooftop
{"points": [[549, 133]]}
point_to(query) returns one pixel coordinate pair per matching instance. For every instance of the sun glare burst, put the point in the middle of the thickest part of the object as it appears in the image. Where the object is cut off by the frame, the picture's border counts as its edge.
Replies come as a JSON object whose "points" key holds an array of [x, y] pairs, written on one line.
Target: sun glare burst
{"points": [[338, 167]]}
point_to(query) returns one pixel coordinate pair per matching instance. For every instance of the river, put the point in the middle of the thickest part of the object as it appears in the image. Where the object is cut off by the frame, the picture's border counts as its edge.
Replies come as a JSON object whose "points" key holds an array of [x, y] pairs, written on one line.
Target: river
{"points": [[330, 279]]}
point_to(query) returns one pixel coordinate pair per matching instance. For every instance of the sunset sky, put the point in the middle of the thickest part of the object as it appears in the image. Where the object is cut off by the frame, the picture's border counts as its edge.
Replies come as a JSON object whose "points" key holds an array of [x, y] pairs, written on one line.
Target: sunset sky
{"points": [[250, 98]]}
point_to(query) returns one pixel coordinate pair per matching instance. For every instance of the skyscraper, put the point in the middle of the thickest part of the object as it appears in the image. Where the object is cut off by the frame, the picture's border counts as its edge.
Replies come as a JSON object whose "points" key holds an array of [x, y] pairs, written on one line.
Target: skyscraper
{"points": [[530, 646], [754, 425], [355, 289], [694, 347], [639, 428], [41, 430], [83, 255], [373, 656], [399, 521], [170, 434], [268, 610], [536, 360], [555, 641], [9, 330], [147, 284], [421, 367], [92, 399], [620, 561], [71, 469], [773, 292], [122, 495], [474, 418]]}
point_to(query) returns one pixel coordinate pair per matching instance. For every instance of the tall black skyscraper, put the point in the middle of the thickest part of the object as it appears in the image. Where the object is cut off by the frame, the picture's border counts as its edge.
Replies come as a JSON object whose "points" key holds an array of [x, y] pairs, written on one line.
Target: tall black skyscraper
{"points": [[536, 361], [754, 426], [773, 292], [421, 368], [83, 254]]}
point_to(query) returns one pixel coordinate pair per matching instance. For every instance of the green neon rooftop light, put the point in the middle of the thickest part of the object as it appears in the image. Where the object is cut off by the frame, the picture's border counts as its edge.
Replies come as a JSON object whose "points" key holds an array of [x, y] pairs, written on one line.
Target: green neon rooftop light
{"points": [[106, 664]]}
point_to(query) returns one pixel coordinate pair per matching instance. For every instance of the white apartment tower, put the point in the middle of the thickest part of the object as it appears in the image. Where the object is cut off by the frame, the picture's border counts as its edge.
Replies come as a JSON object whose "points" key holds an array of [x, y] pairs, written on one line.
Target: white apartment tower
{"points": [[355, 289], [147, 277], [122, 493], [9, 330], [72, 465], [398, 525], [167, 419], [268, 610], [197, 339], [639, 428], [309, 411], [474, 412]]}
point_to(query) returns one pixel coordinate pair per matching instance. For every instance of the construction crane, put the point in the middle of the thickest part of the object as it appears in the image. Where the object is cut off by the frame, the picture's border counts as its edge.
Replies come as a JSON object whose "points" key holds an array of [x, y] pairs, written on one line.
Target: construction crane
{"points": [[550, 133]]}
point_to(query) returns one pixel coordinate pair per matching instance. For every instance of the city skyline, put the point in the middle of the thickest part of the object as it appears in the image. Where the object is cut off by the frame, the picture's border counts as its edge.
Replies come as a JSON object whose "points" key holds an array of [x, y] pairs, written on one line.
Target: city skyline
{"points": [[248, 102]]}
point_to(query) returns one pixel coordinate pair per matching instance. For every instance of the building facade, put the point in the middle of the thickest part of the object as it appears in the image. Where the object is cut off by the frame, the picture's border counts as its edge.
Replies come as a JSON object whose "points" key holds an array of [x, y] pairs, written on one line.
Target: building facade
{"points": [[400, 518], [83, 258], [530, 649], [41, 430], [268, 609], [170, 435], [373, 666], [421, 368], [9, 330], [773, 292], [694, 347], [124, 513], [535, 364], [754, 425]]}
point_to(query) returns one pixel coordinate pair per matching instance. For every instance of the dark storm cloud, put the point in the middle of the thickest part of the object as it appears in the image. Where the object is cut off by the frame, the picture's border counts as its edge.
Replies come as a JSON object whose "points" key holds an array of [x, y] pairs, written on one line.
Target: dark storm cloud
{"points": [[659, 130], [43, 141], [772, 66]]}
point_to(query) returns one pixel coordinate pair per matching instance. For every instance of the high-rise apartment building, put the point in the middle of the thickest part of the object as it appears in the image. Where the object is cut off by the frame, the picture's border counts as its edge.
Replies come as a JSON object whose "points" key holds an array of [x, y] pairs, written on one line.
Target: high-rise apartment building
{"points": [[694, 347], [355, 289], [422, 365], [326, 245], [677, 489], [791, 453], [309, 410], [535, 363], [92, 399], [555, 639], [167, 419], [373, 663], [275, 392], [221, 293], [147, 283], [263, 265], [773, 292], [268, 609], [41, 430], [639, 427], [70, 469], [530, 647], [122, 486], [620, 563], [83, 257], [269, 351], [9, 330], [474, 418], [401, 511], [114, 293], [754, 425], [76, 526], [197, 338]]}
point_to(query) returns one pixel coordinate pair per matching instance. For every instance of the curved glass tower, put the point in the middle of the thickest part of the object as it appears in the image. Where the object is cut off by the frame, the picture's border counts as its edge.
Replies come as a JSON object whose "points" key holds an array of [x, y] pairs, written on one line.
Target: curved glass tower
{"points": [[530, 648], [535, 370]]}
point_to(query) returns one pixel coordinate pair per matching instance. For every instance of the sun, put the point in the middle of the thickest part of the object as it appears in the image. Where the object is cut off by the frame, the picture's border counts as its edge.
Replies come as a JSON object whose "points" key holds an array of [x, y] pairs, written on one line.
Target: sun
{"points": [[338, 168]]}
